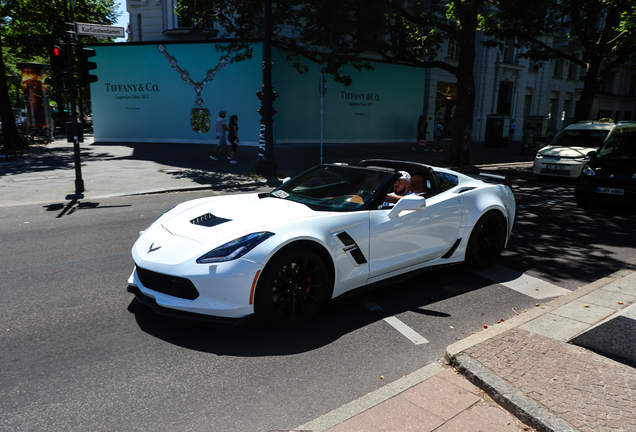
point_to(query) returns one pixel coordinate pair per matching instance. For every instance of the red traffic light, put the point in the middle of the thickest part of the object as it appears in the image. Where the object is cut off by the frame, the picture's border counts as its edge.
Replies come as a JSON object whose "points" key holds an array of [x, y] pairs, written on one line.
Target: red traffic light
{"points": [[57, 51]]}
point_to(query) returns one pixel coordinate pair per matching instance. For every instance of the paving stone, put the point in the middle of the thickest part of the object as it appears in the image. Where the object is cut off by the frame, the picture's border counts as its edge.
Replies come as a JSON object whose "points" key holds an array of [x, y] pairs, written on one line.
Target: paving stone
{"points": [[589, 391]]}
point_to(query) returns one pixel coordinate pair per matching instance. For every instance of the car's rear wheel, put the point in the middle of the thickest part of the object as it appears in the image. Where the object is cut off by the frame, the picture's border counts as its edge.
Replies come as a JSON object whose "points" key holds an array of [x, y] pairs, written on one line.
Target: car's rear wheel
{"points": [[292, 288], [487, 240]]}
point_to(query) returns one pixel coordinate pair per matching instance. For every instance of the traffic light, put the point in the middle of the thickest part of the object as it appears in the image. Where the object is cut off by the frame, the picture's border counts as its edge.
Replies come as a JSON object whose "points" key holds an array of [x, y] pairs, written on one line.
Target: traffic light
{"points": [[85, 67], [58, 71]]}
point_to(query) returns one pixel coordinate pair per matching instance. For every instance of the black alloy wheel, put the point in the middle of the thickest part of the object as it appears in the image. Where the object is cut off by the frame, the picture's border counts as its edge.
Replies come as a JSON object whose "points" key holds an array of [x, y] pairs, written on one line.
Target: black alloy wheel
{"points": [[292, 288], [486, 241]]}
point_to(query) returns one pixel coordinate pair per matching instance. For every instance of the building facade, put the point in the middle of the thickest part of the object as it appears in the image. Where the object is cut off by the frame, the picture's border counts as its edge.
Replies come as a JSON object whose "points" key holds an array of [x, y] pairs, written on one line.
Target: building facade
{"points": [[540, 98]]}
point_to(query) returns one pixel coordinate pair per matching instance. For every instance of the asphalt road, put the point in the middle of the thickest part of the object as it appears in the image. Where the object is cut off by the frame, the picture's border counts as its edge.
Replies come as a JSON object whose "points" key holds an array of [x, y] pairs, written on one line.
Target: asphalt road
{"points": [[78, 353]]}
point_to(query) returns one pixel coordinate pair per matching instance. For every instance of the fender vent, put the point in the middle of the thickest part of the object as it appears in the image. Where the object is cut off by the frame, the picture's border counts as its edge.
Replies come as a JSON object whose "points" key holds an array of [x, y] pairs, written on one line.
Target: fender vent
{"points": [[352, 247], [208, 220]]}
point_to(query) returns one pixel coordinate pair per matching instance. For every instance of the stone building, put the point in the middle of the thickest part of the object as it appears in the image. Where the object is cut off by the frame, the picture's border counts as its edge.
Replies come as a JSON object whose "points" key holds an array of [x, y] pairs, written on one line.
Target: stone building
{"points": [[540, 98]]}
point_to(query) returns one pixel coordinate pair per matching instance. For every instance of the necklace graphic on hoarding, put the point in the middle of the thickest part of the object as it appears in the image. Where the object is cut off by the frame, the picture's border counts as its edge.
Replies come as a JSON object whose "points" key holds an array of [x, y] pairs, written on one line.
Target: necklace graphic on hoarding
{"points": [[200, 118]]}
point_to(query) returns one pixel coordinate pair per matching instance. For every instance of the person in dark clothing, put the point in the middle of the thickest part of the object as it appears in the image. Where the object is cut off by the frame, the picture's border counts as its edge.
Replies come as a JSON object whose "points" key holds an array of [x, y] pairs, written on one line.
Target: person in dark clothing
{"points": [[233, 137]]}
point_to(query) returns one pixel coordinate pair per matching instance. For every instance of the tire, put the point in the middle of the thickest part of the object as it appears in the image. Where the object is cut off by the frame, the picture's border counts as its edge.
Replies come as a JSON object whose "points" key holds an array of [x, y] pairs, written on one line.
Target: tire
{"points": [[487, 240], [292, 288]]}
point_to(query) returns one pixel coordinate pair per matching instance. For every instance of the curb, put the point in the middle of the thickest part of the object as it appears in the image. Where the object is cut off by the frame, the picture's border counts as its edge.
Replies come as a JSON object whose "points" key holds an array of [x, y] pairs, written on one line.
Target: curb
{"points": [[522, 407], [358, 406]]}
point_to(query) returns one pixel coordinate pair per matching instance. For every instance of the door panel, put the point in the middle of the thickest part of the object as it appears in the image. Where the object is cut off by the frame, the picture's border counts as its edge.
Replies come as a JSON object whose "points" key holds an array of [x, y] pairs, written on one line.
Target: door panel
{"points": [[416, 236]]}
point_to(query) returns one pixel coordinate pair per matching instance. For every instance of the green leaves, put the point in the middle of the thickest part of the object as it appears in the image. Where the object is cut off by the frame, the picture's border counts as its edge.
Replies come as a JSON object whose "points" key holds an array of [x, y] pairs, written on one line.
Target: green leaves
{"points": [[31, 26]]}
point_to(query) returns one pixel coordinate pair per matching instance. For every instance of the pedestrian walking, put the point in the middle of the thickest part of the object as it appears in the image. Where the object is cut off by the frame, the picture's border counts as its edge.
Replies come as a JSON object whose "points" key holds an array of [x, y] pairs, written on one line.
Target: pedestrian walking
{"points": [[513, 125], [438, 131], [233, 137], [221, 128]]}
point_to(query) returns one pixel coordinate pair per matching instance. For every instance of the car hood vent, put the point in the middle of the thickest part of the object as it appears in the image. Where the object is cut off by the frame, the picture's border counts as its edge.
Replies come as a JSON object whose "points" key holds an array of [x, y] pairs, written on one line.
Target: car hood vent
{"points": [[208, 220]]}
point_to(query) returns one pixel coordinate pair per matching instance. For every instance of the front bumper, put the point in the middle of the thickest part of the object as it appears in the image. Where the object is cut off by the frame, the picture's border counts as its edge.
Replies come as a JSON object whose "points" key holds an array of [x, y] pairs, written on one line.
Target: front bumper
{"points": [[175, 313], [586, 190], [223, 290]]}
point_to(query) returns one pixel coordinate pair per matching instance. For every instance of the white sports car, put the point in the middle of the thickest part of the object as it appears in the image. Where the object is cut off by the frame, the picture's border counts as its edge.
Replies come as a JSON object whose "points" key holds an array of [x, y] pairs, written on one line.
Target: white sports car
{"points": [[322, 234]]}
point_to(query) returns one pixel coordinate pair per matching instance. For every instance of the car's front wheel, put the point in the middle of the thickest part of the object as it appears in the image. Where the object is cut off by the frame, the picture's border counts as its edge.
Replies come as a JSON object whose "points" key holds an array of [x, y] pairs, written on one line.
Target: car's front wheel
{"points": [[487, 240], [292, 288]]}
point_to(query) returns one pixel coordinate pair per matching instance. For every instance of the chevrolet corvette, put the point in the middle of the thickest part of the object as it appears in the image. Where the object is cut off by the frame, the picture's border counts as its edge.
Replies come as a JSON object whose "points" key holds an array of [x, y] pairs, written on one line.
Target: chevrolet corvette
{"points": [[323, 234]]}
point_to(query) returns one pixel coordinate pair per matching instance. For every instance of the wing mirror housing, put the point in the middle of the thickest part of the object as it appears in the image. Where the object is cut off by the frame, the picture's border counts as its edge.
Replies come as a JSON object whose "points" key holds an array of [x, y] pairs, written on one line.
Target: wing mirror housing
{"points": [[409, 202]]}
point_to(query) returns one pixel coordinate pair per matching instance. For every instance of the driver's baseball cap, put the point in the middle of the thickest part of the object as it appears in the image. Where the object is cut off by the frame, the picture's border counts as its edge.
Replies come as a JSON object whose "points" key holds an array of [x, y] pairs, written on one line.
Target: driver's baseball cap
{"points": [[222, 112], [404, 176]]}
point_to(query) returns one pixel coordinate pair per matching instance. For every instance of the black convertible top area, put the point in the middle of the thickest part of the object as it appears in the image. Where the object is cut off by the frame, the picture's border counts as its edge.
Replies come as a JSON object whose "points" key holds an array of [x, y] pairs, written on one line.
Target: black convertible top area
{"points": [[423, 179]]}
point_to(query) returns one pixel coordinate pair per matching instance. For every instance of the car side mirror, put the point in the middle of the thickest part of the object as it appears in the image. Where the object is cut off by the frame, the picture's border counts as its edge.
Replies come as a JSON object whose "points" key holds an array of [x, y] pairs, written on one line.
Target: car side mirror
{"points": [[591, 154], [406, 203]]}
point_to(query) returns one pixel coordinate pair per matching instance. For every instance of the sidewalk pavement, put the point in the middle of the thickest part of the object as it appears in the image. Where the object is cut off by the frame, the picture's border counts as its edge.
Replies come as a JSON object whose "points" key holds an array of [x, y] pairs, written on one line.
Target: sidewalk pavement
{"points": [[526, 365], [48, 173]]}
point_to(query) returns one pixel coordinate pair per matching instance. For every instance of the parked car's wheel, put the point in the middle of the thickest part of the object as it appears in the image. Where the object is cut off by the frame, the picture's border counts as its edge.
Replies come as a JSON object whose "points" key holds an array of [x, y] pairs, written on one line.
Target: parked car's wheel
{"points": [[487, 240], [292, 288]]}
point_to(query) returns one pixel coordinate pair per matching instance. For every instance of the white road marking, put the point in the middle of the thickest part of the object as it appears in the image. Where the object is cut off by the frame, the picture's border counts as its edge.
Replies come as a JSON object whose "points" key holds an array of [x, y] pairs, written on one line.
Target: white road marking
{"points": [[406, 331], [528, 285]]}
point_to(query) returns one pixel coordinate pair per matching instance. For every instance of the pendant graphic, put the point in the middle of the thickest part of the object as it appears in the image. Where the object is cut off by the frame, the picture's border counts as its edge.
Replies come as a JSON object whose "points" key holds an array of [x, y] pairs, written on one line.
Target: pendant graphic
{"points": [[200, 120]]}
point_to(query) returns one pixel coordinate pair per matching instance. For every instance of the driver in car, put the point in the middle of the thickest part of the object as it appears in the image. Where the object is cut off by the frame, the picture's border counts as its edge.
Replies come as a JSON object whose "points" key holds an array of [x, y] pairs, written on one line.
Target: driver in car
{"points": [[400, 189]]}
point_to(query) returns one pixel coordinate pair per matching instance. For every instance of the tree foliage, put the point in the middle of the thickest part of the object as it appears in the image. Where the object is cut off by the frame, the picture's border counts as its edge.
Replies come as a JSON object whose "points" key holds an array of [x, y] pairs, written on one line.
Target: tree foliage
{"points": [[334, 33], [602, 30], [28, 28]]}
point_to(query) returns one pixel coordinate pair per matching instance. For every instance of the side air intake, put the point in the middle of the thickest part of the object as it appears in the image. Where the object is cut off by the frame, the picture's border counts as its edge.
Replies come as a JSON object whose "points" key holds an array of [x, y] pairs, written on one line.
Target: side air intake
{"points": [[351, 247]]}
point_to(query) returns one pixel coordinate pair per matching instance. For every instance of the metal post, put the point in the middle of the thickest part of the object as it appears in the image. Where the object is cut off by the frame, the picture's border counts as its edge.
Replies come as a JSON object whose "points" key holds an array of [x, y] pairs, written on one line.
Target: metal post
{"points": [[322, 105], [265, 164], [79, 182]]}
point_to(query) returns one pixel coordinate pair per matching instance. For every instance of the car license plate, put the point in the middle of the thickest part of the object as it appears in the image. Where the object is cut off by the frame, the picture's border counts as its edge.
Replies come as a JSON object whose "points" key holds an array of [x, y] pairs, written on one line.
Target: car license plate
{"points": [[555, 167], [610, 191]]}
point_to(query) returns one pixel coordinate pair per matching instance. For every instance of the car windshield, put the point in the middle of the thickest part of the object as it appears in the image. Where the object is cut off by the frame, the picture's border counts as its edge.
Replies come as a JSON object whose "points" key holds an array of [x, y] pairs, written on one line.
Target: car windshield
{"points": [[336, 187], [619, 146], [592, 138]]}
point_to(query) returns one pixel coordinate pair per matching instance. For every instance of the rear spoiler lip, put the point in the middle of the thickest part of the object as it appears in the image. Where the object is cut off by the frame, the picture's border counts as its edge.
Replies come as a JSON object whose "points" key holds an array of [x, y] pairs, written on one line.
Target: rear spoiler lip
{"points": [[495, 178]]}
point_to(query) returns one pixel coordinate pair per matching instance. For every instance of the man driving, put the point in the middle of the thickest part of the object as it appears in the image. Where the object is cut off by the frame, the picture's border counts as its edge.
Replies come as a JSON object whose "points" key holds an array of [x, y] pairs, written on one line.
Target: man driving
{"points": [[400, 189]]}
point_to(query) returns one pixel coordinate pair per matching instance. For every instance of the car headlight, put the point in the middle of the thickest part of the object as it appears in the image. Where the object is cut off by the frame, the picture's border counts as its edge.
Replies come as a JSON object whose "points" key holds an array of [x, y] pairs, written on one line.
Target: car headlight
{"points": [[539, 156], [235, 248], [588, 171]]}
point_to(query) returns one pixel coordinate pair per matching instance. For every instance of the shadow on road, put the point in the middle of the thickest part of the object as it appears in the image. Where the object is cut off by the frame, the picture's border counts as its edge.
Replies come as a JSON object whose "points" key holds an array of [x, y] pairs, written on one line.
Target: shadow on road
{"points": [[253, 338]]}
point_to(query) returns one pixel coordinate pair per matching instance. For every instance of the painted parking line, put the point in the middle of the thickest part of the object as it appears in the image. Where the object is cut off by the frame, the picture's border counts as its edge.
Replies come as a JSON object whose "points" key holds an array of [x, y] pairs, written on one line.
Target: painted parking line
{"points": [[406, 331], [517, 281], [528, 285], [394, 322]]}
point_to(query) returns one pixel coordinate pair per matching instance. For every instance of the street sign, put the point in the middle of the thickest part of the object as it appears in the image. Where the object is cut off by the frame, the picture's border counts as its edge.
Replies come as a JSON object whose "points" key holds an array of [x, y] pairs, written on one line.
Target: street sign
{"points": [[99, 30], [323, 85]]}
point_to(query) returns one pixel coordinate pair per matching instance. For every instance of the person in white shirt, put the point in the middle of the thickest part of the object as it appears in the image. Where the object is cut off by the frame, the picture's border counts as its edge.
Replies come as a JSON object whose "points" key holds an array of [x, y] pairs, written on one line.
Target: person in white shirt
{"points": [[221, 128]]}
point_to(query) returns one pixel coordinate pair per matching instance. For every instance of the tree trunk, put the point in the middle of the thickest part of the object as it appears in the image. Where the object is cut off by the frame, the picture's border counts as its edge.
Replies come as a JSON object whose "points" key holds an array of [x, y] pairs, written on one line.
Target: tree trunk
{"points": [[462, 130], [463, 119], [9, 129], [583, 107]]}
